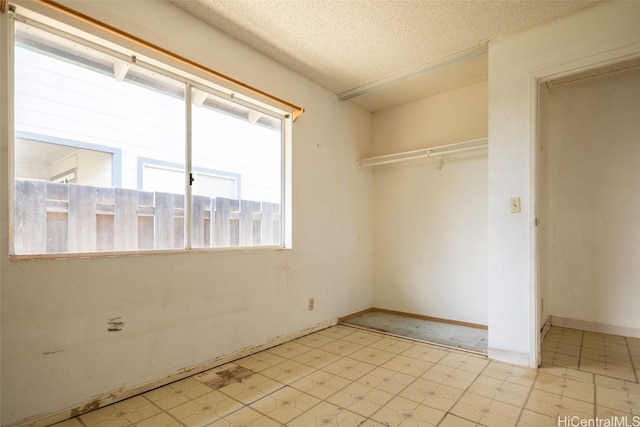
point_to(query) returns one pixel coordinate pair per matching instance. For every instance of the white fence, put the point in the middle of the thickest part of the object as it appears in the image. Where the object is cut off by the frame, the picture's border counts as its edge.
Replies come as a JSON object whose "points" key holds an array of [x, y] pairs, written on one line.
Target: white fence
{"points": [[69, 218]]}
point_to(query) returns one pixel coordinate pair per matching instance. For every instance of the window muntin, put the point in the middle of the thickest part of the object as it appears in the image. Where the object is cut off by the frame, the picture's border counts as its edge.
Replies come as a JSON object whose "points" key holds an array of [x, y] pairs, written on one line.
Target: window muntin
{"points": [[64, 89]]}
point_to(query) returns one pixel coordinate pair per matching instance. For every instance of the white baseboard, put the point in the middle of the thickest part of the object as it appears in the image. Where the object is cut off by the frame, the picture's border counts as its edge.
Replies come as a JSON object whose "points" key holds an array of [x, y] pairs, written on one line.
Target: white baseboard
{"points": [[116, 396], [509, 356], [565, 322]]}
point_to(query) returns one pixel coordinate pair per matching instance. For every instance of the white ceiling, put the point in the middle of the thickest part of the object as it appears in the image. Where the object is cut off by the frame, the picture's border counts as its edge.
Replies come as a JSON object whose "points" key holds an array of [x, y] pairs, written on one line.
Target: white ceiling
{"points": [[401, 49]]}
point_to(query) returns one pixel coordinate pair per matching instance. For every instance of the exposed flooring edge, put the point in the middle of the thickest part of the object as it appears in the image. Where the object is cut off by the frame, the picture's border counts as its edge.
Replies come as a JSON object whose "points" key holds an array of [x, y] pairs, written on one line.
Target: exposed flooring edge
{"points": [[415, 316], [450, 347]]}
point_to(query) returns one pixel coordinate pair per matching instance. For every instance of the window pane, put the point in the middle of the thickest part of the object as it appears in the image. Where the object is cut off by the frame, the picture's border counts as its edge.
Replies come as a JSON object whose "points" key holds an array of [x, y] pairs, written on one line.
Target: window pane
{"points": [[83, 121], [242, 143]]}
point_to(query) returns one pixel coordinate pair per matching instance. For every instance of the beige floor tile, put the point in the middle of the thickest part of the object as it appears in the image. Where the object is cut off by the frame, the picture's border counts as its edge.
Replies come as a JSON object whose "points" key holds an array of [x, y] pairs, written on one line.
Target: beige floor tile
{"points": [[502, 391], [197, 418], [453, 377], [617, 384], [160, 420], [113, 419], [73, 422], [321, 384], [529, 418], [251, 389], [317, 358], [565, 387], [371, 423], [607, 369], [485, 411], [342, 347], [426, 352], [510, 373], [387, 380], [360, 399], [373, 356], [260, 361], [451, 420], [618, 399], [288, 372], [337, 331], [123, 413], [314, 340], [285, 404], [435, 395], [467, 362], [623, 418], [601, 337], [401, 412], [177, 393], [348, 368], [569, 373], [554, 405], [245, 417], [558, 359], [568, 349], [408, 365], [392, 345], [289, 350], [325, 414], [205, 409], [364, 338], [607, 356]]}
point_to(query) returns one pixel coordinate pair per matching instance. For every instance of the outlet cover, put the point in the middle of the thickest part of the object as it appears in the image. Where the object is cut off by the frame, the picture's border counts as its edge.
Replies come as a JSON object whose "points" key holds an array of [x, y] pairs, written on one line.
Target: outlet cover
{"points": [[515, 205]]}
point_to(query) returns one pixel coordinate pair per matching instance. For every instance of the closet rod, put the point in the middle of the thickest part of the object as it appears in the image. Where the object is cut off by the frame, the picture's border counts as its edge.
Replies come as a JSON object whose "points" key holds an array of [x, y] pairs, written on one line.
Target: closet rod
{"points": [[440, 150]]}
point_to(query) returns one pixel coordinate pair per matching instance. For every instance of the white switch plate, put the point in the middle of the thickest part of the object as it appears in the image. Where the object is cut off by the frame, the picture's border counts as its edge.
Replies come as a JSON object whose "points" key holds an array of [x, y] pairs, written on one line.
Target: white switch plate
{"points": [[515, 205]]}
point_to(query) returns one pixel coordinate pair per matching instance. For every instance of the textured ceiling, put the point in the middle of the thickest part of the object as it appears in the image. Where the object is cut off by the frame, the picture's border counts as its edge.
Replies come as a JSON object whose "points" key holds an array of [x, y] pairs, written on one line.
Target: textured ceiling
{"points": [[347, 44]]}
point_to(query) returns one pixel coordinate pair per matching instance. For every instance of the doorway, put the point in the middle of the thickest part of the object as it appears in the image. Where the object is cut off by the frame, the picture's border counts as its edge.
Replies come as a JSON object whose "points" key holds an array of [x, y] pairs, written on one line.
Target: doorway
{"points": [[589, 200]]}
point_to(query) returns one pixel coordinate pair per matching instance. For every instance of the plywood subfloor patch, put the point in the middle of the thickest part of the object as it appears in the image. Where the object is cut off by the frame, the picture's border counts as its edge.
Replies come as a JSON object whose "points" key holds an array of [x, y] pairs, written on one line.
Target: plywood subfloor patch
{"points": [[440, 333]]}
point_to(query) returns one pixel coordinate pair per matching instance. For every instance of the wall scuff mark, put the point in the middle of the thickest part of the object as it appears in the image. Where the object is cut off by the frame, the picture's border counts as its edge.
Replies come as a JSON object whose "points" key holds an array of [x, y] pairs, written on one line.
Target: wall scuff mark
{"points": [[115, 324]]}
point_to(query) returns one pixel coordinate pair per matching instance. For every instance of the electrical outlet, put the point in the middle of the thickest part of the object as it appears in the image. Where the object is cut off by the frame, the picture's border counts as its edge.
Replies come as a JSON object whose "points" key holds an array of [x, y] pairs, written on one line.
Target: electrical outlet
{"points": [[311, 304], [515, 205]]}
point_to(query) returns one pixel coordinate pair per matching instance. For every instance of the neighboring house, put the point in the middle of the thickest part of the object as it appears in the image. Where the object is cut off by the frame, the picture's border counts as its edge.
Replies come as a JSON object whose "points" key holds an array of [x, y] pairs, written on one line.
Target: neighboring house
{"points": [[78, 120]]}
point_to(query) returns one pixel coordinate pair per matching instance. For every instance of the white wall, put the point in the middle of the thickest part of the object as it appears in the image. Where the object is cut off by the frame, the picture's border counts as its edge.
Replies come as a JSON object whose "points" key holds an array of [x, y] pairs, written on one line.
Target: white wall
{"points": [[430, 255], [180, 310], [601, 33], [590, 233]]}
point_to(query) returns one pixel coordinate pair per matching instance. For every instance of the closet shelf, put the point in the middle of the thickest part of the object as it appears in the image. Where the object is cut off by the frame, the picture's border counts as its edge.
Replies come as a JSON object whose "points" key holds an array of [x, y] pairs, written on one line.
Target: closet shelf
{"points": [[441, 150]]}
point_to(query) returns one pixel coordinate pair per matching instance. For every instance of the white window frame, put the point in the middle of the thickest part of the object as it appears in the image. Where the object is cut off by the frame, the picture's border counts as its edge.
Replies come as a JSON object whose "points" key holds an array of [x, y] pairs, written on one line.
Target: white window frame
{"points": [[193, 78]]}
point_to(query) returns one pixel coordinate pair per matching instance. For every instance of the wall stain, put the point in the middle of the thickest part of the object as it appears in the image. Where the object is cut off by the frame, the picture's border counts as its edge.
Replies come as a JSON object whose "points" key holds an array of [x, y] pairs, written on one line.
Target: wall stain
{"points": [[115, 324]]}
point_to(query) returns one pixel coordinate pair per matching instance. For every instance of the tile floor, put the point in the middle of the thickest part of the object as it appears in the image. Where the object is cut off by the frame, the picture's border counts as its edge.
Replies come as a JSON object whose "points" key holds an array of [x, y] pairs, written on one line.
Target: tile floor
{"points": [[342, 376]]}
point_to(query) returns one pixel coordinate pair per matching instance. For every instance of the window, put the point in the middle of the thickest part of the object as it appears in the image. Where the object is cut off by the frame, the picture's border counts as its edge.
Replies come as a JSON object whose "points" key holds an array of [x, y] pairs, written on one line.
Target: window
{"points": [[133, 174], [160, 176]]}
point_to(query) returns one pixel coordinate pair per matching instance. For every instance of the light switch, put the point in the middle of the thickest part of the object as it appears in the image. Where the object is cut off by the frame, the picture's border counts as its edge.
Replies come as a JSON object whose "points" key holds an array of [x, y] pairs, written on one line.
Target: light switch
{"points": [[515, 205]]}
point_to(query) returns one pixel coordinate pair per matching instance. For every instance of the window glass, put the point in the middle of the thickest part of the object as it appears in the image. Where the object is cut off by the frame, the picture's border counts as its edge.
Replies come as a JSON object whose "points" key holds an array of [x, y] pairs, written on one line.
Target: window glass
{"points": [[246, 142], [100, 155], [66, 199]]}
